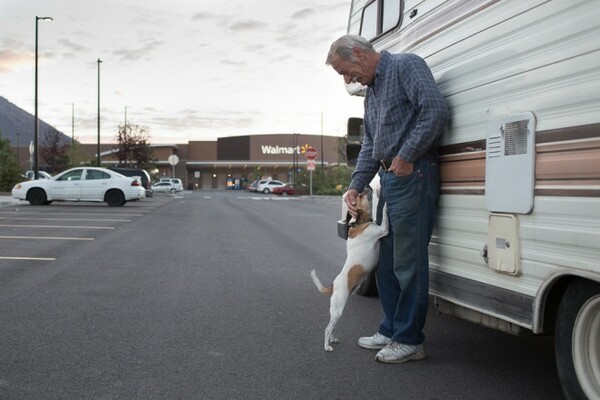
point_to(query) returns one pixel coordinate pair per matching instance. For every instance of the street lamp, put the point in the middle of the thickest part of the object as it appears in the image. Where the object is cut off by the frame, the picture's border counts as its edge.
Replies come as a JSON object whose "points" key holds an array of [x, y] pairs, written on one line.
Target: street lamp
{"points": [[72, 130], [294, 157], [36, 129], [18, 148], [125, 125], [322, 146], [98, 148]]}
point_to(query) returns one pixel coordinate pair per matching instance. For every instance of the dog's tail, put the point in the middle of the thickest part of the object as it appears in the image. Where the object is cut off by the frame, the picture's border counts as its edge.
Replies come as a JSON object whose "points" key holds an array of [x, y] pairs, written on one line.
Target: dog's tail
{"points": [[317, 281]]}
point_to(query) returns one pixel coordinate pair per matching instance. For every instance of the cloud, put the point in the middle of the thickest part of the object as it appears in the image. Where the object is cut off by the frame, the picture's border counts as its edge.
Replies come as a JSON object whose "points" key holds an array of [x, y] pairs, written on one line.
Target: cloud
{"points": [[305, 13], [232, 62], [191, 119], [203, 16], [247, 25], [14, 55], [341, 6], [72, 46], [207, 57], [12, 60], [139, 53]]}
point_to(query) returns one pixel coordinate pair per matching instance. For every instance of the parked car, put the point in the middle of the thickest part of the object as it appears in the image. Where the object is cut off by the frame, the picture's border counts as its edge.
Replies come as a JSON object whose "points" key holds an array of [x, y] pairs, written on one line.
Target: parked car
{"points": [[252, 187], [142, 173], [81, 184], [175, 181], [41, 175], [164, 187], [259, 183], [267, 185], [290, 189]]}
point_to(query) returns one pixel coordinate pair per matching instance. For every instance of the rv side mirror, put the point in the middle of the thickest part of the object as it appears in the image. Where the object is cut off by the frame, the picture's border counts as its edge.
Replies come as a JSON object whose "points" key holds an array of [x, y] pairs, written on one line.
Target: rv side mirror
{"points": [[352, 150], [356, 130]]}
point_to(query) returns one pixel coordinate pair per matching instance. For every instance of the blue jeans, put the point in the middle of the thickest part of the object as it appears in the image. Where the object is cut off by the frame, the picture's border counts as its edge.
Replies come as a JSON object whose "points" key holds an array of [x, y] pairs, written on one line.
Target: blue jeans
{"points": [[403, 271]]}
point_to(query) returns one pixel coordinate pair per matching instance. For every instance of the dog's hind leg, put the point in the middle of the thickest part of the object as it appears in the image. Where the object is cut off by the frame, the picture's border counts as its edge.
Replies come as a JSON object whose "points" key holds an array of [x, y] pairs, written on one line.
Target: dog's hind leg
{"points": [[336, 308], [329, 338]]}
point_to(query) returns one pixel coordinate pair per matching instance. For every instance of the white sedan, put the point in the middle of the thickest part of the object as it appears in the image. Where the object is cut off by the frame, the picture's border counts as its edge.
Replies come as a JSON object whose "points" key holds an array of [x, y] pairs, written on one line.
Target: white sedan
{"points": [[164, 187], [266, 186], [81, 184]]}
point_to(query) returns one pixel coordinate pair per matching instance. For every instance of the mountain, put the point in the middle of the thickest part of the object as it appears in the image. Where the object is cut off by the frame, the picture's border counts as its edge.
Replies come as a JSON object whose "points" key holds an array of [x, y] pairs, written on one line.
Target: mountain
{"points": [[14, 119]]}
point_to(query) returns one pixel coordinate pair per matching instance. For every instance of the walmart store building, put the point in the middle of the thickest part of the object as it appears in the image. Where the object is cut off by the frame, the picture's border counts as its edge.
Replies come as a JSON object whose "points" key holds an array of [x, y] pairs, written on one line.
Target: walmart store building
{"points": [[233, 162]]}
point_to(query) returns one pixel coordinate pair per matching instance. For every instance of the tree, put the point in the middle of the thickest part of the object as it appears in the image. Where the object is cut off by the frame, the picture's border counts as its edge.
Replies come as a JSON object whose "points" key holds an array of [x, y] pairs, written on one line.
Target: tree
{"points": [[55, 152], [76, 154], [10, 172], [328, 181], [133, 146]]}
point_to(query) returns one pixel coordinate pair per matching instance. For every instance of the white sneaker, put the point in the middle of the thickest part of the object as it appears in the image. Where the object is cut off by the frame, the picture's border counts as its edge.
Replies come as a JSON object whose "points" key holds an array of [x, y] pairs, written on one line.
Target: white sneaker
{"points": [[396, 353], [375, 342]]}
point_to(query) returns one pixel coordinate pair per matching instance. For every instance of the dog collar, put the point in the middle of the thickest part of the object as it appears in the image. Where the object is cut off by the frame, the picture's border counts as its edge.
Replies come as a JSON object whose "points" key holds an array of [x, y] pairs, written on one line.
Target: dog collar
{"points": [[354, 224]]}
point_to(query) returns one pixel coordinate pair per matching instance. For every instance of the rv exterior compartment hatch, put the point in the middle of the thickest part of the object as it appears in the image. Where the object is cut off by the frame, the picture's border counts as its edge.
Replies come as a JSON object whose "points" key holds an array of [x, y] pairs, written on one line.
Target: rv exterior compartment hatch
{"points": [[510, 164], [503, 244]]}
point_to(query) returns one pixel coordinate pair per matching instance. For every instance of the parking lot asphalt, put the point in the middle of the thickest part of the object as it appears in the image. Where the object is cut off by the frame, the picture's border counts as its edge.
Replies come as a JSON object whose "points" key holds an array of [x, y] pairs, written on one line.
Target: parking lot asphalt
{"points": [[7, 199], [199, 295]]}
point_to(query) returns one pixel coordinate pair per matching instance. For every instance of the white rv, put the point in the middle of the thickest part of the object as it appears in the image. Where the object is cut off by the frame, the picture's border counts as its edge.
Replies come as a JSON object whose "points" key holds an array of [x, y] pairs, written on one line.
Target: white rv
{"points": [[517, 240]]}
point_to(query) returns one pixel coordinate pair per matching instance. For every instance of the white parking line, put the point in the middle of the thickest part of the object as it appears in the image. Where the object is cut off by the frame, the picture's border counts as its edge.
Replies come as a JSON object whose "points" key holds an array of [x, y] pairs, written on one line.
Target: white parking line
{"points": [[268, 198], [45, 238], [29, 258], [95, 214], [57, 226], [65, 219]]}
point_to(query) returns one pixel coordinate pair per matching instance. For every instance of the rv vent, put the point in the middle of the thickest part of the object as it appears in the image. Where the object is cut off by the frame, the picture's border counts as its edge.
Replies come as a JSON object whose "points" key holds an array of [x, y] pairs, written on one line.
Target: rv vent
{"points": [[494, 146], [510, 164], [515, 134]]}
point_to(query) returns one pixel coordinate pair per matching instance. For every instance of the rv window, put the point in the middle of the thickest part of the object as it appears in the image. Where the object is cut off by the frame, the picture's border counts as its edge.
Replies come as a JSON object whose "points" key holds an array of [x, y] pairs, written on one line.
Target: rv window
{"points": [[379, 17], [368, 29], [391, 15]]}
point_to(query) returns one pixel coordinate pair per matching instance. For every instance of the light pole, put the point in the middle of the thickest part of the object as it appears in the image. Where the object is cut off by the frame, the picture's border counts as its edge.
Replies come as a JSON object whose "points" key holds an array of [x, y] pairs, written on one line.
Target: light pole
{"points": [[294, 157], [18, 148], [72, 131], [36, 133], [125, 125], [322, 146], [98, 148]]}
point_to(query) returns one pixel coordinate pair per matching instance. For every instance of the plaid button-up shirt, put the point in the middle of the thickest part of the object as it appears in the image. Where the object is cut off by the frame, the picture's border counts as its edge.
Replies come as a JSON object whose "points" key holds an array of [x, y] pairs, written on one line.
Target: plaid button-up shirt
{"points": [[404, 114]]}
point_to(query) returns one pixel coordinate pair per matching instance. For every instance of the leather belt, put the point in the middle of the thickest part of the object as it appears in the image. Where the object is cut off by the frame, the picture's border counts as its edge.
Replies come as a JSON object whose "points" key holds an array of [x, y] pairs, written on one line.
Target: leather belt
{"points": [[385, 164]]}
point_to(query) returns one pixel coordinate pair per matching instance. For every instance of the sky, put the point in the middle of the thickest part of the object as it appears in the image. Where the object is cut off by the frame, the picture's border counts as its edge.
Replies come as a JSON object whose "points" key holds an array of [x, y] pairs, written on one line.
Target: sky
{"points": [[186, 69]]}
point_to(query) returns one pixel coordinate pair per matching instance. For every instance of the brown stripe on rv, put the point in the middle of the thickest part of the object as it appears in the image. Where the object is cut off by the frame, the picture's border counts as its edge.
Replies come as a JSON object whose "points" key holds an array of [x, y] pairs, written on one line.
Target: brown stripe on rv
{"points": [[567, 160]]}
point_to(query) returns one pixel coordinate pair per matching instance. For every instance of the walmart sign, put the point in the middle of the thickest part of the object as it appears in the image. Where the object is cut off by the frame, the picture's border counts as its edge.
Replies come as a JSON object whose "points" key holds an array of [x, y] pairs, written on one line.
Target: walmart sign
{"points": [[274, 150]]}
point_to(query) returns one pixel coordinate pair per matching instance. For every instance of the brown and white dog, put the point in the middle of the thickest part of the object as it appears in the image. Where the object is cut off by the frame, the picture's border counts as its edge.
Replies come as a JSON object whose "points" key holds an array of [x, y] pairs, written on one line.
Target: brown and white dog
{"points": [[362, 249]]}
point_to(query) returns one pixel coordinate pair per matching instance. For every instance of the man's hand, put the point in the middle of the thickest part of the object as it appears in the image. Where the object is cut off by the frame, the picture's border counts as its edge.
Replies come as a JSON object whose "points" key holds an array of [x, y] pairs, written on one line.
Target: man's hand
{"points": [[350, 199], [400, 167]]}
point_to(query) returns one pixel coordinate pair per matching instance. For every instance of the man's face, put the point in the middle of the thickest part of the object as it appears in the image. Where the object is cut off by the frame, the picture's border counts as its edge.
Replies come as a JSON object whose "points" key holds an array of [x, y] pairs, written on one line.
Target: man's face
{"points": [[352, 71]]}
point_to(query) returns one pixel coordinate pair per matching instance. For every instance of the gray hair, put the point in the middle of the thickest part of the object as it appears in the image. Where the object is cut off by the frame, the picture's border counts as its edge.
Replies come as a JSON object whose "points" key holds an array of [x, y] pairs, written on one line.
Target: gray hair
{"points": [[344, 46]]}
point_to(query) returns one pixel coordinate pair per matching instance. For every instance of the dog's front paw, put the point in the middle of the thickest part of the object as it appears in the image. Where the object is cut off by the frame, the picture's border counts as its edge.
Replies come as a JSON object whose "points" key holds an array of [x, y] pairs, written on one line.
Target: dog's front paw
{"points": [[328, 347]]}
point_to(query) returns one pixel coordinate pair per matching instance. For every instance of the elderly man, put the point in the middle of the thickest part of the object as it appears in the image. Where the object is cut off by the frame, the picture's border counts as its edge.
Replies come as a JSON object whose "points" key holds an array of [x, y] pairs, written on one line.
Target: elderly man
{"points": [[405, 113]]}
